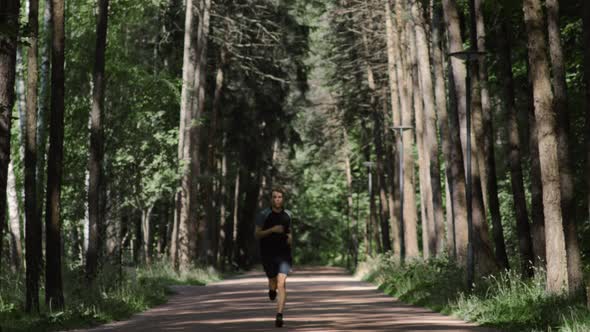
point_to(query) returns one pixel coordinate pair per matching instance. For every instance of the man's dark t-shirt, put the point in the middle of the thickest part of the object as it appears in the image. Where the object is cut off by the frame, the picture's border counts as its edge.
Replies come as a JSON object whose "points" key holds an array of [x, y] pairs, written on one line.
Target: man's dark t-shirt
{"points": [[275, 245]]}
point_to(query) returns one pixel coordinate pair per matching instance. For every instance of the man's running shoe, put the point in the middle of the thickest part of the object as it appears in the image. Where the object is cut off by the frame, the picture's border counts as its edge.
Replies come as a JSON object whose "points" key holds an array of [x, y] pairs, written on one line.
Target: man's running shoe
{"points": [[272, 294], [279, 320]]}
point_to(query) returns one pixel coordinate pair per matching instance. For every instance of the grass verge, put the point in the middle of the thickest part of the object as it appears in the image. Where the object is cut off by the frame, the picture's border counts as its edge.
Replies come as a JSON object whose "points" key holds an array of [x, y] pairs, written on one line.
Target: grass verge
{"points": [[505, 301], [116, 295]]}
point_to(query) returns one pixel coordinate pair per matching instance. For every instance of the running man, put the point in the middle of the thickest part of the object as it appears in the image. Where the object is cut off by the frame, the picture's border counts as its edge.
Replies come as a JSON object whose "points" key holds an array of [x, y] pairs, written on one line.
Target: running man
{"points": [[273, 230]]}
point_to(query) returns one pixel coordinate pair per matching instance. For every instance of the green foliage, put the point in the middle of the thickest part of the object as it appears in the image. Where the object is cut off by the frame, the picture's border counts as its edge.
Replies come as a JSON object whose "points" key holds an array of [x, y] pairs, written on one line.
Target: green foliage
{"points": [[506, 301], [433, 283], [116, 295]]}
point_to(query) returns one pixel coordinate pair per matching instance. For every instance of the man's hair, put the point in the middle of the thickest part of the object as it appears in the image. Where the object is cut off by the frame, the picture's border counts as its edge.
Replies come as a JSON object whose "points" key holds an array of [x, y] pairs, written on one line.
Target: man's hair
{"points": [[278, 190]]}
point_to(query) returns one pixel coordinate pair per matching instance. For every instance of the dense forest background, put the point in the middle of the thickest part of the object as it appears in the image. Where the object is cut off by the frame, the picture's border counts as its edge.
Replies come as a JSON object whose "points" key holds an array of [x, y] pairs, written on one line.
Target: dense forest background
{"points": [[134, 133]]}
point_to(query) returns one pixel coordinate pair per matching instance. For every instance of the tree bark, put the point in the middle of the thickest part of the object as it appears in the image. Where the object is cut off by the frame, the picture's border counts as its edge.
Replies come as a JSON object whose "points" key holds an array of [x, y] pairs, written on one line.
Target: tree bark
{"points": [[223, 190], [380, 172], [173, 250], [537, 215], [186, 235], [95, 160], [350, 250], [451, 142], [426, 206], [409, 203], [212, 141], [204, 240], [456, 213], [233, 239], [514, 156], [14, 222], [53, 276], [12, 194], [586, 29], [557, 277], [455, 44], [394, 195], [488, 162], [30, 128], [430, 132], [246, 253], [9, 10], [481, 241], [560, 107], [147, 232], [482, 244], [43, 110]]}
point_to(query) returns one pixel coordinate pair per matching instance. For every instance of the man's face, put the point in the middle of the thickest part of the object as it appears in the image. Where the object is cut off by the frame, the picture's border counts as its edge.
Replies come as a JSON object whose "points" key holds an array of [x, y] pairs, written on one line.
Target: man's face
{"points": [[277, 199]]}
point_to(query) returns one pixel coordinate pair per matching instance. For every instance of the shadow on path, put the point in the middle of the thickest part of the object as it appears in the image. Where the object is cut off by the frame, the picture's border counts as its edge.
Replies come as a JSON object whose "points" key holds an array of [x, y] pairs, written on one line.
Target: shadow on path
{"points": [[319, 299]]}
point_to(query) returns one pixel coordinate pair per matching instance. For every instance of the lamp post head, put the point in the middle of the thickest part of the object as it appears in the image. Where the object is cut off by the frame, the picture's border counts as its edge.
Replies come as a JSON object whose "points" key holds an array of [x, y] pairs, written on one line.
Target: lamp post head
{"points": [[468, 55], [402, 127]]}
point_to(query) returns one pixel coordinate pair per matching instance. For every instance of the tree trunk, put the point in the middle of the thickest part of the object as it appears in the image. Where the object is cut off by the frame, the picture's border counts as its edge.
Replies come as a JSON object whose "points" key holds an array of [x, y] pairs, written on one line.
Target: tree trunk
{"points": [[9, 10], [350, 250], [451, 147], [568, 205], [409, 219], [212, 141], [137, 238], [427, 215], [380, 173], [113, 233], [12, 194], [430, 133], [95, 161], [393, 196], [455, 43], [586, 29], [246, 245], [481, 243], [53, 276], [372, 225], [557, 277], [538, 217], [233, 239], [85, 221], [173, 250], [514, 157], [14, 222], [488, 171], [186, 235], [451, 245], [146, 231], [223, 190], [204, 230], [43, 110], [372, 240], [30, 128]]}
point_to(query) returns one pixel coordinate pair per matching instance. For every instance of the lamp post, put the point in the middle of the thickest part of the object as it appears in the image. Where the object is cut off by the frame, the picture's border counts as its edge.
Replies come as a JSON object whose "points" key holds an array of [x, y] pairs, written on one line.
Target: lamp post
{"points": [[370, 165], [468, 56], [401, 185]]}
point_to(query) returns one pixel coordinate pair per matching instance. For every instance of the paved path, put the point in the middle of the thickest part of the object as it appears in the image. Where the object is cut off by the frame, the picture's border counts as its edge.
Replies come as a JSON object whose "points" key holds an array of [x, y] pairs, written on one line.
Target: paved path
{"points": [[319, 299]]}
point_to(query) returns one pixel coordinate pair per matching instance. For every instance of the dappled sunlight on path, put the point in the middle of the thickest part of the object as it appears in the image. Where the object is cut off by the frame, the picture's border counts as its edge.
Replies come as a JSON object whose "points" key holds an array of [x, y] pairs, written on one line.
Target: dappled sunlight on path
{"points": [[319, 299]]}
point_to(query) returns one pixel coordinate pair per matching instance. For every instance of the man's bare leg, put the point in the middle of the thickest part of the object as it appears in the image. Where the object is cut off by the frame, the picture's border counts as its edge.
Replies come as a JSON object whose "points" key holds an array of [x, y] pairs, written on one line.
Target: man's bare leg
{"points": [[282, 292], [272, 288]]}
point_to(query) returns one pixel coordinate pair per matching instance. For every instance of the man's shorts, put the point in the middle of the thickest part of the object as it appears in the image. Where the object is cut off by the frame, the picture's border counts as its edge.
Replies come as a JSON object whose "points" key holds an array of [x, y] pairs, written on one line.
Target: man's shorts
{"points": [[275, 265]]}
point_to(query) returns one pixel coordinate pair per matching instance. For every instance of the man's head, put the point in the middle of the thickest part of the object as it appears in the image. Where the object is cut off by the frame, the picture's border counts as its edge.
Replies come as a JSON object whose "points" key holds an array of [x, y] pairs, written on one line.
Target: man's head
{"points": [[277, 198]]}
